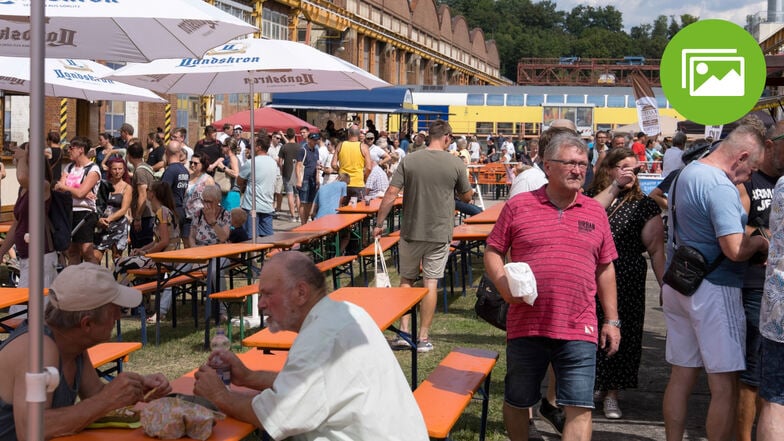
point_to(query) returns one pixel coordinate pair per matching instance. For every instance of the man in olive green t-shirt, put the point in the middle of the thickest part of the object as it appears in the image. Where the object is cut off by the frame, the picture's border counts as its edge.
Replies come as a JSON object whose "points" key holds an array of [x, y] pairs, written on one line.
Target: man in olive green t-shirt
{"points": [[431, 179]]}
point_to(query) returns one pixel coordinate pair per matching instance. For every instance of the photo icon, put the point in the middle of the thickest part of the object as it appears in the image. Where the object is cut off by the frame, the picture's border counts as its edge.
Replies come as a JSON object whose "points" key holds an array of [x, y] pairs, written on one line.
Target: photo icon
{"points": [[713, 72]]}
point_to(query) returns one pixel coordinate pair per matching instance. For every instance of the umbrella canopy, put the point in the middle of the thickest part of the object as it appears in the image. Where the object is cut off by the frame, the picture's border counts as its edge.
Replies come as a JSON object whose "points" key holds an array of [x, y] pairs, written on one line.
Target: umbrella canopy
{"points": [[72, 79], [266, 118], [270, 65], [122, 30]]}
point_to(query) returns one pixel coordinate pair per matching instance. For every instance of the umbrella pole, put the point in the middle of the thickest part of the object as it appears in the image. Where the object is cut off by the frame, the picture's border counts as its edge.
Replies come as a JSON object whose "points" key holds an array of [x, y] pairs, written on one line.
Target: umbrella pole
{"points": [[35, 380], [255, 319]]}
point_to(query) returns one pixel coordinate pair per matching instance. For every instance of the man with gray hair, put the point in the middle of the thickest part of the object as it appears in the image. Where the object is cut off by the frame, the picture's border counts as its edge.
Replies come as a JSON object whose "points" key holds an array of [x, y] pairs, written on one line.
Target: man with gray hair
{"points": [[673, 157], [84, 303], [560, 328], [340, 379], [707, 329]]}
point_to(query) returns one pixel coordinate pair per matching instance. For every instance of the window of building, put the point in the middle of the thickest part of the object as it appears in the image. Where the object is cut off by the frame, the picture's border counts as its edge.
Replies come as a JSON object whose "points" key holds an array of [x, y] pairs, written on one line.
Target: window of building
{"points": [[475, 99], [505, 127], [495, 99], [596, 100], [534, 100], [515, 100], [616, 101], [274, 25], [484, 128], [114, 117]]}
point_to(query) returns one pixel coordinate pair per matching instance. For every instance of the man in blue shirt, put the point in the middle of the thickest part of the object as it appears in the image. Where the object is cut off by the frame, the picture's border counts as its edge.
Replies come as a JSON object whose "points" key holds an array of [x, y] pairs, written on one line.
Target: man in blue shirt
{"points": [[306, 168], [330, 196]]}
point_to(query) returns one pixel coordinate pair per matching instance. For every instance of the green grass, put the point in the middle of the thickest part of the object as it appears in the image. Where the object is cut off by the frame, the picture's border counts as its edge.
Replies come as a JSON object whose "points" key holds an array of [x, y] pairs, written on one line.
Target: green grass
{"points": [[181, 350]]}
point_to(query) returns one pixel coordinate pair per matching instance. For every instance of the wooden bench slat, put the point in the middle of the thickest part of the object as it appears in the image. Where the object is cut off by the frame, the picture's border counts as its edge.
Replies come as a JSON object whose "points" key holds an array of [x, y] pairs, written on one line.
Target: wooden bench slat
{"points": [[104, 353], [236, 293], [386, 243], [446, 392], [334, 262], [151, 287]]}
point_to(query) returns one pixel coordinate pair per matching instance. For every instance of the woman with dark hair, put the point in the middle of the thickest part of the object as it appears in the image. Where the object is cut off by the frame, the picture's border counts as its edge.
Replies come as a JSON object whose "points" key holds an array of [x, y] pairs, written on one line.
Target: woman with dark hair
{"points": [[229, 164], [81, 179], [155, 151], [167, 236], [636, 225], [199, 180], [21, 225], [113, 225]]}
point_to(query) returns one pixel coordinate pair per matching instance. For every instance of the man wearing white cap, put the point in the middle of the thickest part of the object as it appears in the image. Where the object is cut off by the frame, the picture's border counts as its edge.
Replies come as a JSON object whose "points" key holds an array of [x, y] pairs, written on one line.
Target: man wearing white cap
{"points": [[242, 143], [84, 303]]}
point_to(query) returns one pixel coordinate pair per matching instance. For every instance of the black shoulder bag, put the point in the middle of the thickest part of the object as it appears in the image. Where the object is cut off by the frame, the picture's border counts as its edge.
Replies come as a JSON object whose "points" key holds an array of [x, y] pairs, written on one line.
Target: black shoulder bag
{"points": [[688, 266], [490, 306]]}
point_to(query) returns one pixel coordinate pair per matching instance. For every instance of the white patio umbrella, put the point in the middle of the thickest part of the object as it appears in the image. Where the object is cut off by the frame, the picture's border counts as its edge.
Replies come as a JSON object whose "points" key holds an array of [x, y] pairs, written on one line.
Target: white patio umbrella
{"points": [[72, 79], [96, 30], [251, 64], [120, 30], [242, 65], [268, 65]]}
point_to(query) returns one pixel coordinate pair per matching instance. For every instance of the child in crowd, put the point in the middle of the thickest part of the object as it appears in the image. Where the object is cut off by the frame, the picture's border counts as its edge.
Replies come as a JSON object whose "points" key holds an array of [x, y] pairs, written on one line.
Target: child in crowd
{"points": [[238, 232]]}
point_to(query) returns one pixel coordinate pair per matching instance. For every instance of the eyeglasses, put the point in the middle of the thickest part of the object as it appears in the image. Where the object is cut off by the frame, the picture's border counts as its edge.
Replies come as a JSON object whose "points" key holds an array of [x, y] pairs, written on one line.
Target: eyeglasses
{"points": [[777, 138], [194, 163], [572, 164]]}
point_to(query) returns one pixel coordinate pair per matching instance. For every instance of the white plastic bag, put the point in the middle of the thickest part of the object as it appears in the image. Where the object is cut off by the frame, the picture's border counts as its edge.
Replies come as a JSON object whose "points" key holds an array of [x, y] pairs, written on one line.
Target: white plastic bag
{"points": [[522, 282], [382, 276]]}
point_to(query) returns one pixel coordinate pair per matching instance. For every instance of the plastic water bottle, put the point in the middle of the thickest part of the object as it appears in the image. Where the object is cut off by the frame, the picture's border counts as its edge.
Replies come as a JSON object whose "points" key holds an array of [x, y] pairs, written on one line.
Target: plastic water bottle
{"points": [[221, 343]]}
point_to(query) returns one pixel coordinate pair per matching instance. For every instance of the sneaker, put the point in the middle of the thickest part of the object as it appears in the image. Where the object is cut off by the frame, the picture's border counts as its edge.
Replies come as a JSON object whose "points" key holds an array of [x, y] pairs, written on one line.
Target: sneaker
{"points": [[424, 346], [552, 415], [611, 409], [399, 343]]}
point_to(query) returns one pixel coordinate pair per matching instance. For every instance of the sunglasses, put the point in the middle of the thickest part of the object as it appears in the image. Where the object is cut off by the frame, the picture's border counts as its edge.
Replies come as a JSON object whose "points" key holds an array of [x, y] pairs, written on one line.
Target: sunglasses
{"points": [[195, 163]]}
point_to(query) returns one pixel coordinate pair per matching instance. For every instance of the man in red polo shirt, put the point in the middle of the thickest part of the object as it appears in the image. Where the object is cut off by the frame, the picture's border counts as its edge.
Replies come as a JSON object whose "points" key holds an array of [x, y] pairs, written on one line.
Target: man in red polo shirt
{"points": [[553, 228]]}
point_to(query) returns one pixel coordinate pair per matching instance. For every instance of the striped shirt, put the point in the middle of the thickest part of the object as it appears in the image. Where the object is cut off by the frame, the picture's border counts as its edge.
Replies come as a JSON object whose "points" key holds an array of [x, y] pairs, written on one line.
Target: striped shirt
{"points": [[563, 249]]}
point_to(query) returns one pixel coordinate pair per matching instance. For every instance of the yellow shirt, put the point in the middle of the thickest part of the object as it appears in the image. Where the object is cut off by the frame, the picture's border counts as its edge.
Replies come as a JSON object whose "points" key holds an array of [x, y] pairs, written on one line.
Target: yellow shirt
{"points": [[352, 162]]}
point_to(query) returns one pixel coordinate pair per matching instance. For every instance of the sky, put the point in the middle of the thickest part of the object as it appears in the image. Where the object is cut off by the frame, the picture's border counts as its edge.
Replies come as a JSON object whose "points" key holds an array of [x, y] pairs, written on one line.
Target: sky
{"points": [[636, 12]]}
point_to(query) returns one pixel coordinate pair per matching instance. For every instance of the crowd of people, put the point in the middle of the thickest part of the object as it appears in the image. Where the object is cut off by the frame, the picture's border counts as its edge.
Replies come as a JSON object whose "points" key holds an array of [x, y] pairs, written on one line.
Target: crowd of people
{"points": [[571, 202]]}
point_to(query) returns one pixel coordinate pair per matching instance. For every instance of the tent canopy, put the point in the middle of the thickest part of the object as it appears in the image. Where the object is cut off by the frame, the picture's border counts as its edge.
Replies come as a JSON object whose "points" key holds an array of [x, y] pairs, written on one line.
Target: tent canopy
{"points": [[379, 100], [265, 118]]}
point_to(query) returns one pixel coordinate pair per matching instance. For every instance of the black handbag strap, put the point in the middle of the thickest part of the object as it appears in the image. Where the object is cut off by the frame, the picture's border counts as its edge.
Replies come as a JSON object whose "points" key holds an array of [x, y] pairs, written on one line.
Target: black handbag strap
{"points": [[716, 262]]}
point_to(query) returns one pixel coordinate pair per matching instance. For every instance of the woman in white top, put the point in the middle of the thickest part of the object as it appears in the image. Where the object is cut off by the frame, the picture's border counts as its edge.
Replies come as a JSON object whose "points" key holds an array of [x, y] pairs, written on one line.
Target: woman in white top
{"points": [[81, 178]]}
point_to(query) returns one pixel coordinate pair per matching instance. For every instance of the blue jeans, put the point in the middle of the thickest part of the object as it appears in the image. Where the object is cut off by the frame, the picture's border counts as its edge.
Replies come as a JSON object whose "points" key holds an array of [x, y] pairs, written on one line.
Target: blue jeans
{"points": [[263, 224], [466, 208], [527, 358]]}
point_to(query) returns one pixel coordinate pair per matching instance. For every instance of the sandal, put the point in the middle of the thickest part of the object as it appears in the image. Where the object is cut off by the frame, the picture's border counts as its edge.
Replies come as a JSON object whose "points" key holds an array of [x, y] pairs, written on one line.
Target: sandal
{"points": [[151, 319]]}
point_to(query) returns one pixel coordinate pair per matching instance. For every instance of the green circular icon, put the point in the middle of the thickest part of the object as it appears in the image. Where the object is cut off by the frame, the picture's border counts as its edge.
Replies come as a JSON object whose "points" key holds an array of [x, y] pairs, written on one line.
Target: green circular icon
{"points": [[713, 72]]}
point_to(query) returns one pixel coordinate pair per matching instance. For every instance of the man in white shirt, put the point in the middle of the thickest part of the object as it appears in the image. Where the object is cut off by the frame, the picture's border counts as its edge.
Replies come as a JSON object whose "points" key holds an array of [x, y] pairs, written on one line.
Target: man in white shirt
{"points": [[340, 380]]}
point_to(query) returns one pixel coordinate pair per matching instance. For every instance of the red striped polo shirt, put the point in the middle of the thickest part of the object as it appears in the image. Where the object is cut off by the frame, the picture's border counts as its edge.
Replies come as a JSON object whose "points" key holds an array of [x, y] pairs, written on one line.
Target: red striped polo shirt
{"points": [[563, 249]]}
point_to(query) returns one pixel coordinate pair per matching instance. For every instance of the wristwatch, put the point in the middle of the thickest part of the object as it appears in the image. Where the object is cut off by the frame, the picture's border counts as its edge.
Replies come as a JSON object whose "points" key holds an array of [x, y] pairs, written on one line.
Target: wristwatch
{"points": [[616, 323]]}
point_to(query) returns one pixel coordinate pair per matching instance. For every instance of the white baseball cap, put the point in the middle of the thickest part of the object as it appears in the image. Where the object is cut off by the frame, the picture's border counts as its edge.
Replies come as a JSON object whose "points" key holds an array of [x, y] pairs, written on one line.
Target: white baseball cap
{"points": [[237, 126], [89, 286]]}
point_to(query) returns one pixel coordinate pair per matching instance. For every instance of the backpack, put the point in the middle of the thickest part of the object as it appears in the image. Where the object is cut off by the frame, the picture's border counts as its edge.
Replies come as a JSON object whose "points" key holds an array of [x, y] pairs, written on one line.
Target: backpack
{"points": [[59, 221]]}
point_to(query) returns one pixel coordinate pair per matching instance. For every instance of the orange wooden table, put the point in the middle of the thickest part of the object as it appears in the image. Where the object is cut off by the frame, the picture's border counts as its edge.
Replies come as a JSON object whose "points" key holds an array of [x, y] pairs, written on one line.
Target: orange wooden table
{"points": [[372, 209], [384, 305], [209, 254], [468, 235], [11, 297], [489, 216], [333, 223]]}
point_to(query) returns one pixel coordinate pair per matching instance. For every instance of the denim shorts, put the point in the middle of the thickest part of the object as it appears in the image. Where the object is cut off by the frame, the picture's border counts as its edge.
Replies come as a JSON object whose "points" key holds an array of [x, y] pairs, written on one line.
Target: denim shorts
{"points": [[527, 358], [307, 193], [771, 385]]}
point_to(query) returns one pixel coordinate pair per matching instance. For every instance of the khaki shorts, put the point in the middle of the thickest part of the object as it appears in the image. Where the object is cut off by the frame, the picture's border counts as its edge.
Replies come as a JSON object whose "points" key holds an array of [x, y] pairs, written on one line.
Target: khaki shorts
{"points": [[432, 256], [707, 329]]}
